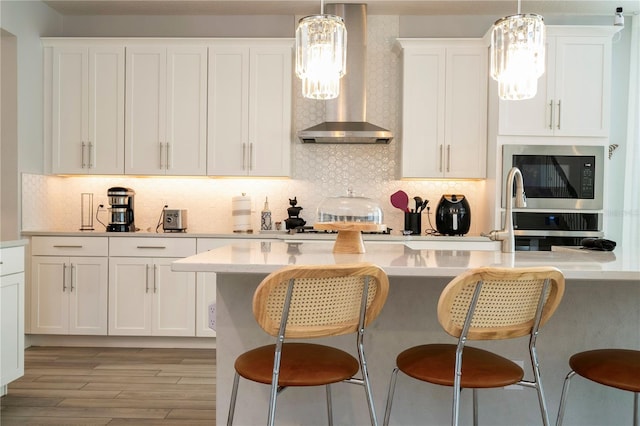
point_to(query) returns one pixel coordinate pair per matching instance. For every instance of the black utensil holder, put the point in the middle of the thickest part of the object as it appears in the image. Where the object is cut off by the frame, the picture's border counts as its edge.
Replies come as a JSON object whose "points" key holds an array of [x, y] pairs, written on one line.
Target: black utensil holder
{"points": [[413, 223]]}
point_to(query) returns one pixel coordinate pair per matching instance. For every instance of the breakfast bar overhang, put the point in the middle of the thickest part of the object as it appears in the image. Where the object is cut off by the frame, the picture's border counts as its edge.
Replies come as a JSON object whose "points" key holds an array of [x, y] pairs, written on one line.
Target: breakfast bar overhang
{"points": [[600, 309]]}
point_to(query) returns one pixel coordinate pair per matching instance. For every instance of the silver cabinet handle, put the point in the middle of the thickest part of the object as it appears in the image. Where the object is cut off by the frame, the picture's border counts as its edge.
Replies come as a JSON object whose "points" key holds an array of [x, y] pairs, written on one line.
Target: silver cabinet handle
{"points": [[244, 156], [155, 279], [440, 162], [151, 247], [72, 274], [559, 113], [551, 114], [82, 155], [146, 279], [90, 155], [167, 165], [251, 156], [448, 158], [64, 277], [160, 151], [66, 246]]}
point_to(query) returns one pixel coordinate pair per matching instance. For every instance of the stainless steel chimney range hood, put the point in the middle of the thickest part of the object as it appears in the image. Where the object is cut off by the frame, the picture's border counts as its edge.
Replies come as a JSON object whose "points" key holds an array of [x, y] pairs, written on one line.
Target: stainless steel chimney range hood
{"points": [[346, 115]]}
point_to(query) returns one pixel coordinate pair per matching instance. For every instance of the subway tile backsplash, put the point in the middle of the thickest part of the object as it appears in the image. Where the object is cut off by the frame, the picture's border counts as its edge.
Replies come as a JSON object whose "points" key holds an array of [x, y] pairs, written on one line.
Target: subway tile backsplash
{"points": [[318, 171]]}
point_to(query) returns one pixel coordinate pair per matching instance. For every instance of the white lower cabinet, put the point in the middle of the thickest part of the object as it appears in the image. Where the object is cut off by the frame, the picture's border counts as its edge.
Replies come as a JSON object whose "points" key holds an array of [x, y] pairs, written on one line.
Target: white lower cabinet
{"points": [[69, 293], [11, 315], [146, 298]]}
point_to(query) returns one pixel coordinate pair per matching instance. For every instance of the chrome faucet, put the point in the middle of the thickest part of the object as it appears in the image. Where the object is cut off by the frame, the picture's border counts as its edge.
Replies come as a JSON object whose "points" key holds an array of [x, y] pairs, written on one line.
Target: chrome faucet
{"points": [[506, 235]]}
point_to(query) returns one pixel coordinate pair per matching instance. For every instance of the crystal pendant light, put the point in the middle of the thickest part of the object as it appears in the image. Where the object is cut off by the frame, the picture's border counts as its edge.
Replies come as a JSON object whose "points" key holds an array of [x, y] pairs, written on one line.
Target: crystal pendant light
{"points": [[321, 54], [518, 55]]}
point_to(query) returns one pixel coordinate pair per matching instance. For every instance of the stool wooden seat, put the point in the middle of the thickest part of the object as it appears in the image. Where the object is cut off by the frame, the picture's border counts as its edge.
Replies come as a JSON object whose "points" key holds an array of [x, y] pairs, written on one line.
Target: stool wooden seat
{"points": [[484, 304], [617, 368], [307, 302]]}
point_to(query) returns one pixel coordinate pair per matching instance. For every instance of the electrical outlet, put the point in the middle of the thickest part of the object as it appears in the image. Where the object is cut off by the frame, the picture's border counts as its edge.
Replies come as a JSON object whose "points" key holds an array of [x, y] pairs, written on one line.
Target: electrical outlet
{"points": [[212, 316], [516, 387]]}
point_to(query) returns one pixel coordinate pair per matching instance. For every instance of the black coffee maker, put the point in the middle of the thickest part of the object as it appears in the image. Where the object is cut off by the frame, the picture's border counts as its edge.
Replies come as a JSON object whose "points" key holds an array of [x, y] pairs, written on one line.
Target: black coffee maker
{"points": [[121, 210]]}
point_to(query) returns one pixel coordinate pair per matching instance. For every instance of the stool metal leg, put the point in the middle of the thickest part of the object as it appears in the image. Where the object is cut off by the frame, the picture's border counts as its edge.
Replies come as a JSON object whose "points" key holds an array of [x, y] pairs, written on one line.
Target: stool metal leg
{"points": [[563, 399], [475, 407], [232, 403], [329, 405], [635, 409], [391, 391]]}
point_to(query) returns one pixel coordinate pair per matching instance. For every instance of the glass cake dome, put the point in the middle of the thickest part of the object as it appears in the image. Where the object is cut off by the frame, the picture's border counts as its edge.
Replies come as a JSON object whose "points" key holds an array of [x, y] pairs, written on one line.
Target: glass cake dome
{"points": [[350, 209]]}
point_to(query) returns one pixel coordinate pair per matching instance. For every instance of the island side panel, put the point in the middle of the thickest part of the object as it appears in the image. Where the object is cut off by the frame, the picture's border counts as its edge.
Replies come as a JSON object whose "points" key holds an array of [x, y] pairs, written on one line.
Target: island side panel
{"points": [[593, 314]]}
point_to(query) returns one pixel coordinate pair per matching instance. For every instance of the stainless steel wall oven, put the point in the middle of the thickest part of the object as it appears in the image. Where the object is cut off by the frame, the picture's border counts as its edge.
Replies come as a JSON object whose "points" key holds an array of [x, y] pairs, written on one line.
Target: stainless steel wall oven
{"points": [[564, 189]]}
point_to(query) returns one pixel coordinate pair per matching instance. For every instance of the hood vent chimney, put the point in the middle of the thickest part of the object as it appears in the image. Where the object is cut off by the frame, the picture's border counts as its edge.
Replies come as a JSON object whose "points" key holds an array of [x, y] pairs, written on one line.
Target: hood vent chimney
{"points": [[346, 115]]}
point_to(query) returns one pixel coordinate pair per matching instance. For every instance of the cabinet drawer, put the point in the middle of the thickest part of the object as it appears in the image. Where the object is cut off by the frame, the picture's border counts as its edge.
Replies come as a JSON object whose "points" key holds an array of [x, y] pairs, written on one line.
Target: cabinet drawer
{"points": [[11, 260], [152, 247], [70, 246], [206, 244]]}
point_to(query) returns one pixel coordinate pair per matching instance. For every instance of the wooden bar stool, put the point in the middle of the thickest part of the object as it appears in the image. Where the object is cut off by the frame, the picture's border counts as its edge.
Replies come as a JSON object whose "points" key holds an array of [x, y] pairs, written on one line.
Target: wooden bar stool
{"points": [[484, 304], [617, 368], [307, 302]]}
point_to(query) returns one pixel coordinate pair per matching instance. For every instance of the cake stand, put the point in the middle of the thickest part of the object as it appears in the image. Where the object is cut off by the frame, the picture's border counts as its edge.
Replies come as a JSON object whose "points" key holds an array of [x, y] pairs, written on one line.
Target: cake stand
{"points": [[349, 238]]}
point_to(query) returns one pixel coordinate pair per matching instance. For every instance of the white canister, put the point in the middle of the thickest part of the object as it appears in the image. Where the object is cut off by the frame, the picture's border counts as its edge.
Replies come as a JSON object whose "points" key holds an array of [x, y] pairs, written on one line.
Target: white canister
{"points": [[241, 212]]}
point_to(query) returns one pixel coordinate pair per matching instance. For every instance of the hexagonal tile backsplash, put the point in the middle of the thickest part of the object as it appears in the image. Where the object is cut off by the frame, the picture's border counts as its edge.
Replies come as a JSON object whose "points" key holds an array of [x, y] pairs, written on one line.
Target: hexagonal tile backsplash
{"points": [[318, 171]]}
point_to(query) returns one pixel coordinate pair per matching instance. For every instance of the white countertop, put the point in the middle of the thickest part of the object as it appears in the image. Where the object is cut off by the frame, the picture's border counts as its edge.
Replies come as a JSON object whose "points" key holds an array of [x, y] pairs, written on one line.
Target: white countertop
{"points": [[400, 260], [13, 243]]}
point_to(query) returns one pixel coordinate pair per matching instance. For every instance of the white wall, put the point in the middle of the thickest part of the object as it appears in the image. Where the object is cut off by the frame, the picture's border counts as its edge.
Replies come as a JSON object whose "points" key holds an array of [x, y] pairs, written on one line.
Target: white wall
{"points": [[28, 21], [9, 179], [318, 171]]}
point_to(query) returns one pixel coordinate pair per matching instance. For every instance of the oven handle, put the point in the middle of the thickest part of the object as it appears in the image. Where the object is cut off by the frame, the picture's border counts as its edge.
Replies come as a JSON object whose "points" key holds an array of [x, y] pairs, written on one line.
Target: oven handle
{"points": [[543, 233]]}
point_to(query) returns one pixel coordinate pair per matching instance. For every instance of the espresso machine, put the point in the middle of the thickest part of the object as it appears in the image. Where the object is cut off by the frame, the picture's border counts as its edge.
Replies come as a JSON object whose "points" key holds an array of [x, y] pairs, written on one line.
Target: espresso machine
{"points": [[121, 210]]}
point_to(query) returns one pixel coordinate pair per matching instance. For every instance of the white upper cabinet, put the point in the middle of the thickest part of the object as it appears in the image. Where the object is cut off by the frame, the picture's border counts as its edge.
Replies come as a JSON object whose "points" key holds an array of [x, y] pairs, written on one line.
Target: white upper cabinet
{"points": [[444, 108], [250, 108], [87, 107], [166, 109], [574, 93]]}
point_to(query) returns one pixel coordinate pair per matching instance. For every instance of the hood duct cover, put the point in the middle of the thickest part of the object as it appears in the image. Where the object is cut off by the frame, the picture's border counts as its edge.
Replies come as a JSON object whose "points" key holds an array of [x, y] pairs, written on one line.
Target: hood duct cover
{"points": [[346, 115]]}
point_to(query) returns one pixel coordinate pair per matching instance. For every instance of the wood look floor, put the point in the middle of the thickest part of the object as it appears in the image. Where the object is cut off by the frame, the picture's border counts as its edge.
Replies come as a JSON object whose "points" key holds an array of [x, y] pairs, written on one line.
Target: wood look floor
{"points": [[113, 386]]}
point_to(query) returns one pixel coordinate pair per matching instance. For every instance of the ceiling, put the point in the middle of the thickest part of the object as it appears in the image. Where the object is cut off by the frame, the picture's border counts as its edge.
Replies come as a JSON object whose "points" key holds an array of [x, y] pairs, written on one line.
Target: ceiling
{"points": [[306, 7]]}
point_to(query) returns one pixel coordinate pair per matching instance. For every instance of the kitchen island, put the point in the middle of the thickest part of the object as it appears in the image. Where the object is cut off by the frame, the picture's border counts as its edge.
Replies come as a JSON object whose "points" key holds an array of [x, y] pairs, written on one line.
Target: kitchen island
{"points": [[601, 308]]}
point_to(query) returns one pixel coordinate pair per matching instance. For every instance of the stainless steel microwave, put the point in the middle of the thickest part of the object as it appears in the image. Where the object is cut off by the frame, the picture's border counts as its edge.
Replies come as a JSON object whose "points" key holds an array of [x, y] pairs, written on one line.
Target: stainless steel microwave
{"points": [[558, 176]]}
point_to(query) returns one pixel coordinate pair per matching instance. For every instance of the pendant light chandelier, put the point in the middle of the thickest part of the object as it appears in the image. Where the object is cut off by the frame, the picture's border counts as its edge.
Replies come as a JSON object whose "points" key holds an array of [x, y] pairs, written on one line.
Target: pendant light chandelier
{"points": [[518, 55], [321, 54]]}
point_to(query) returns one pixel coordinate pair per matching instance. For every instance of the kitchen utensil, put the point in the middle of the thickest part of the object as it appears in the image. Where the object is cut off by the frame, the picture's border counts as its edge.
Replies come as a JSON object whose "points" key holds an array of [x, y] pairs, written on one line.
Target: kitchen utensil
{"points": [[418, 201], [453, 215], [400, 200]]}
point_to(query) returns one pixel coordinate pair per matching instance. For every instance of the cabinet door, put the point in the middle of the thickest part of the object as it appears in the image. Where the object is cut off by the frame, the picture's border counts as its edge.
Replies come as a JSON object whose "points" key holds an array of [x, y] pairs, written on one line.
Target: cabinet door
{"points": [[423, 109], [11, 327], [70, 109], [105, 142], [186, 139], [269, 111], [88, 110], [206, 295], [145, 143], [583, 73], [130, 296], [88, 295], [49, 297], [465, 127], [228, 113], [174, 305]]}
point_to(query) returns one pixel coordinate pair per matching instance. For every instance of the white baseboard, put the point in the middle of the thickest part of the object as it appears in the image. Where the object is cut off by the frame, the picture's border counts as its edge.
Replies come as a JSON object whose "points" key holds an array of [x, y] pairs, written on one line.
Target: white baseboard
{"points": [[121, 341]]}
